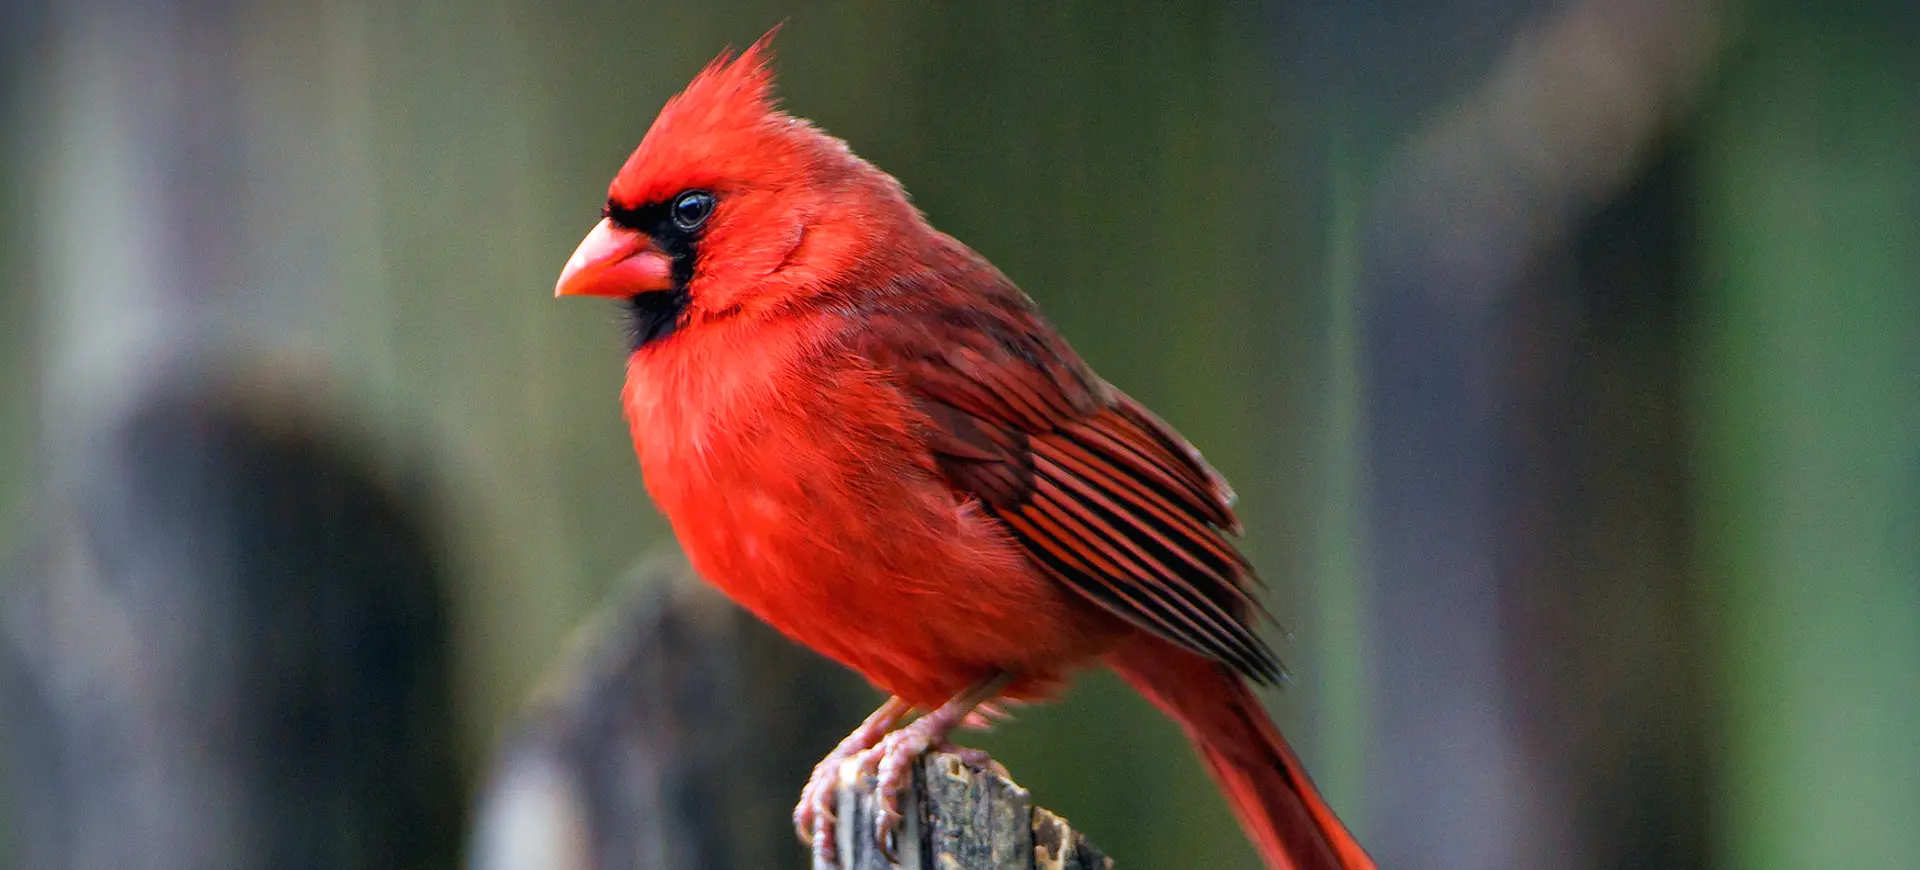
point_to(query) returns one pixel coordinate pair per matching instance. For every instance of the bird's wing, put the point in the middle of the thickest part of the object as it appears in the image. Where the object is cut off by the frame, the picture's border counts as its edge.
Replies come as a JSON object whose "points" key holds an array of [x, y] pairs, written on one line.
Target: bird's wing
{"points": [[1103, 496]]}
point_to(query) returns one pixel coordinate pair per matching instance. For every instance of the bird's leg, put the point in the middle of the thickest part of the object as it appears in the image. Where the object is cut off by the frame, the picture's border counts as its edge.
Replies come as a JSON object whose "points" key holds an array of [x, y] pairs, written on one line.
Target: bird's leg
{"points": [[984, 717], [893, 758], [813, 816]]}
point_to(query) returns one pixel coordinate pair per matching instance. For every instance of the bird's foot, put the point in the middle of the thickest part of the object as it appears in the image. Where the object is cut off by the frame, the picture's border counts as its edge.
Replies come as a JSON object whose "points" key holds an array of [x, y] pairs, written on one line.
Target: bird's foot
{"points": [[890, 762], [887, 755], [891, 765], [892, 759], [813, 816]]}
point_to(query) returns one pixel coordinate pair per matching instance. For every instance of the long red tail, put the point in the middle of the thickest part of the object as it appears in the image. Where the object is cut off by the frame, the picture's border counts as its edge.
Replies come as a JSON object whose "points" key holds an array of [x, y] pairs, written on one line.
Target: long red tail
{"points": [[1269, 791]]}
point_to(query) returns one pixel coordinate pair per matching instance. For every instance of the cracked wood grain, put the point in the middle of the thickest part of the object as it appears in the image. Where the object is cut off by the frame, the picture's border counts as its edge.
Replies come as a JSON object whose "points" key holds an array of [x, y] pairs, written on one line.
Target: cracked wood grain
{"points": [[960, 817]]}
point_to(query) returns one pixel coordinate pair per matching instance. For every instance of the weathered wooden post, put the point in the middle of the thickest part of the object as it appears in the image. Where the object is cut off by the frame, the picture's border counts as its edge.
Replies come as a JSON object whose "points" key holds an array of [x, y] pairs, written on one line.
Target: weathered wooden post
{"points": [[678, 734], [960, 817], [225, 646]]}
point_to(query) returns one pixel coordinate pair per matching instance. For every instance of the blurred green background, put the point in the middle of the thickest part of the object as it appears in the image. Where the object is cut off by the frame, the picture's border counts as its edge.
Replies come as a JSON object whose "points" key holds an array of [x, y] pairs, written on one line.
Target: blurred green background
{"points": [[1566, 356]]}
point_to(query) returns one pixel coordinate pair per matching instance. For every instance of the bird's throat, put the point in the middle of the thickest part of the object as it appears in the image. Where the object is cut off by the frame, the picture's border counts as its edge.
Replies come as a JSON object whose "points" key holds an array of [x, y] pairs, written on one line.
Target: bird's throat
{"points": [[654, 316]]}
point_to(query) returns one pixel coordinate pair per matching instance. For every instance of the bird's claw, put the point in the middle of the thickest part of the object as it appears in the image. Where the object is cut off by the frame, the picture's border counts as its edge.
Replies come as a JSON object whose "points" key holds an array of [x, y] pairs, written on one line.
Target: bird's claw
{"points": [[813, 816], [892, 764], [888, 757]]}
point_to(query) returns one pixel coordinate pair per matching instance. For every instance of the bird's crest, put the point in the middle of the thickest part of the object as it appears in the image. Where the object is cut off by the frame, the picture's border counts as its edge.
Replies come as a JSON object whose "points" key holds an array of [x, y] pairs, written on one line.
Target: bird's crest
{"points": [[731, 91], [725, 118]]}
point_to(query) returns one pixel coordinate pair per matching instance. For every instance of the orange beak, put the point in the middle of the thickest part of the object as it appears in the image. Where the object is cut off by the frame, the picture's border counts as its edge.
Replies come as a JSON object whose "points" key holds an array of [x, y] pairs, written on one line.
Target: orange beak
{"points": [[616, 262]]}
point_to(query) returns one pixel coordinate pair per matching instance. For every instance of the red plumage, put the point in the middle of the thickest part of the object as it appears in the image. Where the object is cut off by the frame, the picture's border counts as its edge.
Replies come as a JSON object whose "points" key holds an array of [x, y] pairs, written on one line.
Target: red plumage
{"points": [[865, 434]]}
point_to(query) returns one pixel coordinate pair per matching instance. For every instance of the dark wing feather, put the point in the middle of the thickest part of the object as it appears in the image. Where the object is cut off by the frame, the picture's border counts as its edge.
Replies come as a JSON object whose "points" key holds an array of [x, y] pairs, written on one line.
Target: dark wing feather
{"points": [[1103, 496]]}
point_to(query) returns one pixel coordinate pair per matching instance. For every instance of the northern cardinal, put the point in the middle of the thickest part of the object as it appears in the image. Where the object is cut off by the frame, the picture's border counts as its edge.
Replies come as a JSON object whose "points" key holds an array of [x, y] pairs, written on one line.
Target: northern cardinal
{"points": [[866, 435]]}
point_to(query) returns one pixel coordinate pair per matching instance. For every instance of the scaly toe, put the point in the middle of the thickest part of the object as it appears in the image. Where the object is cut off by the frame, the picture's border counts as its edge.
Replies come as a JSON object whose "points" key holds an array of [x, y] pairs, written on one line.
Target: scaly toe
{"points": [[805, 812], [813, 816], [893, 775], [804, 815], [886, 831], [825, 846]]}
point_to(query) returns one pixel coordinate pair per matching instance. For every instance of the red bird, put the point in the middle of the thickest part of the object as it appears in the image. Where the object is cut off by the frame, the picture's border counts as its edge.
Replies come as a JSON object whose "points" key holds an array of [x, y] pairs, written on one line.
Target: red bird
{"points": [[865, 434]]}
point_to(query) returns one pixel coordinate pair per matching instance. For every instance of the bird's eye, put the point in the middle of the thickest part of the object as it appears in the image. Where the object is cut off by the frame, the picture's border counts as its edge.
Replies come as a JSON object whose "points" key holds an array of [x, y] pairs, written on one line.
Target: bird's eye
{"points": [[690, 209]]}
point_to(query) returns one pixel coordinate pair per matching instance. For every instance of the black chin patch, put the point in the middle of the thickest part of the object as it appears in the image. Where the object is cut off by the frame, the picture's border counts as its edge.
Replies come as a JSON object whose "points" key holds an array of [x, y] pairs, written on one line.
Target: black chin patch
{"points": [[654, 316]]}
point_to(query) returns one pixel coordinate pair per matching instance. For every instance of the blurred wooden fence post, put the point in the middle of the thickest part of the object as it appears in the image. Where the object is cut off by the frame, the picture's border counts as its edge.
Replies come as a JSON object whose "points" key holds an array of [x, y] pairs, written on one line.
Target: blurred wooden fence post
{"points": [[227, 647], [1515, 380], [678, 734]]}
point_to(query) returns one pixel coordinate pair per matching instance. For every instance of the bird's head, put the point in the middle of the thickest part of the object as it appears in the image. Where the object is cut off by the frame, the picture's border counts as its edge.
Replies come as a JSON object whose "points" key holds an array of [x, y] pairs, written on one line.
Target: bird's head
{"points": [[731, 206]]}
